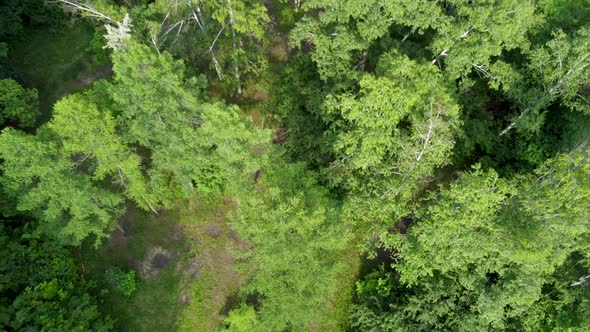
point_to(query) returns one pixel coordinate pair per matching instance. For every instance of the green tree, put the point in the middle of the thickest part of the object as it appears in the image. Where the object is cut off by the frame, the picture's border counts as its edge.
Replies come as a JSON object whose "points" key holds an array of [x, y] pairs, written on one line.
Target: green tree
{"points": [[41, 289], [87, 132], [555, 72], [402, 121], [196, 145], [242, 319], [387, 101], [227, 34], [18, 106], [563, 66], [465, 36], [55, 306], [121, 281], [484, 253], [45, 185], [151, 95], [393, 134], [567, 15], [15, 15], [295, 234]]}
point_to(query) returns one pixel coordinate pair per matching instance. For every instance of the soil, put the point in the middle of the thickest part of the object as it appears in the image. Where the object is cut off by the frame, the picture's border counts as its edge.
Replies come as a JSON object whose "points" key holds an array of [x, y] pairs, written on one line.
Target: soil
{"points": [[160, 261], [156, 259], [214, 230], [280, 135]]}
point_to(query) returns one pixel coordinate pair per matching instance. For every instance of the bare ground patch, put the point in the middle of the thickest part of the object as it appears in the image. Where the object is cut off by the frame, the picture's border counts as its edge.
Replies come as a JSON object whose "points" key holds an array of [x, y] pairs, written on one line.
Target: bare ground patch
{"points": [[156, 259], [184, 260], [208, 228]]}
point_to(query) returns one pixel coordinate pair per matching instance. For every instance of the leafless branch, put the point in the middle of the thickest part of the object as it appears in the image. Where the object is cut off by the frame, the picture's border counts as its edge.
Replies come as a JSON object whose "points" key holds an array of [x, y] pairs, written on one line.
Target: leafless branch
{"points": [[583, 279], [86, 8]]}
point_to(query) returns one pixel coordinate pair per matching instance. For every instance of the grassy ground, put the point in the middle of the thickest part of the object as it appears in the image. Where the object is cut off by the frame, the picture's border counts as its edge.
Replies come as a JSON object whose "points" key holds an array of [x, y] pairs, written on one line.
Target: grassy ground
{"points": [[157, 308], [343, 292], [56, 63], [191, 291], [212, 241]]}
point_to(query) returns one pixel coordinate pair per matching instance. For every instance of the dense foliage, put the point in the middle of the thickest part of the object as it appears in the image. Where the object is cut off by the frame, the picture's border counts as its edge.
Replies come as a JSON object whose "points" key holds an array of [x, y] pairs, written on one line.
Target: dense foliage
{"points": [[446, 143]]}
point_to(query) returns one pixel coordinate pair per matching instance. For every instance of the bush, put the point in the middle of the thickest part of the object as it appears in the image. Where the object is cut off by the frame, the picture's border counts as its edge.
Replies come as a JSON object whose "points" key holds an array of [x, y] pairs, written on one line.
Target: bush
{"points": [[121, 281]]}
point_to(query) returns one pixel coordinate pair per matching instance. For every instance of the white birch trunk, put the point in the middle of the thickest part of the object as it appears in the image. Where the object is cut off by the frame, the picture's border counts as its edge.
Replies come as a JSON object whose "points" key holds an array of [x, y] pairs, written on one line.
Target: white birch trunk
{"points": [[233, 33], [201, 24]]}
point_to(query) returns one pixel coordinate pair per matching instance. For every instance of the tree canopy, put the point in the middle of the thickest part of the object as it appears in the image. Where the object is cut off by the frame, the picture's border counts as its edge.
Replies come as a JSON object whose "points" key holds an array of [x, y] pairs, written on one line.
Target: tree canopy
{"points": [[296, 165]]}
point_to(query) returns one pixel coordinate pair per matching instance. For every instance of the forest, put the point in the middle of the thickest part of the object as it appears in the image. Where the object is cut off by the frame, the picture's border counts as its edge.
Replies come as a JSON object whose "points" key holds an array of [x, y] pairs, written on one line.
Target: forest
{"points": [[295, 165]]}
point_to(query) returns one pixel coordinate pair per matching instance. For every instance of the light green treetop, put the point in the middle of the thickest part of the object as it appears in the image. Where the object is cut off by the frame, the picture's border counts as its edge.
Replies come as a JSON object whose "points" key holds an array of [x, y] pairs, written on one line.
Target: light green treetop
{"points": [[393, 134], [87, 132], [296, 235], [465, 35], [480, 252], [69, 206], [195, 144]]}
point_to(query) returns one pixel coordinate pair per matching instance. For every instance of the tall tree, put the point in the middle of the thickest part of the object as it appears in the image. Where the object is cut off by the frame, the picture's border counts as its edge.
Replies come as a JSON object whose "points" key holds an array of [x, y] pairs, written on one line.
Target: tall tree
{"points": [[195, 143], [483, 253], [87, 132], [41, 289], [464, 35], [394, 133], [230, 33], [555, 72], [68, 204], [295, 234]]}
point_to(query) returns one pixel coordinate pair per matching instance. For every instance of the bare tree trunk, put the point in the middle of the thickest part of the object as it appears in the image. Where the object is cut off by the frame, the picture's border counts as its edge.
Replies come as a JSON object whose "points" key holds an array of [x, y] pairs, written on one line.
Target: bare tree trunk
{"points": [[426, 140], [214, 58], [154, 41], [217, 65], [233, 33], [87, 8], [512, 125], [121, 229], [151, 207], [361, 65], [581, 281], [201, 24], [407, 35], [199, 14]]}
